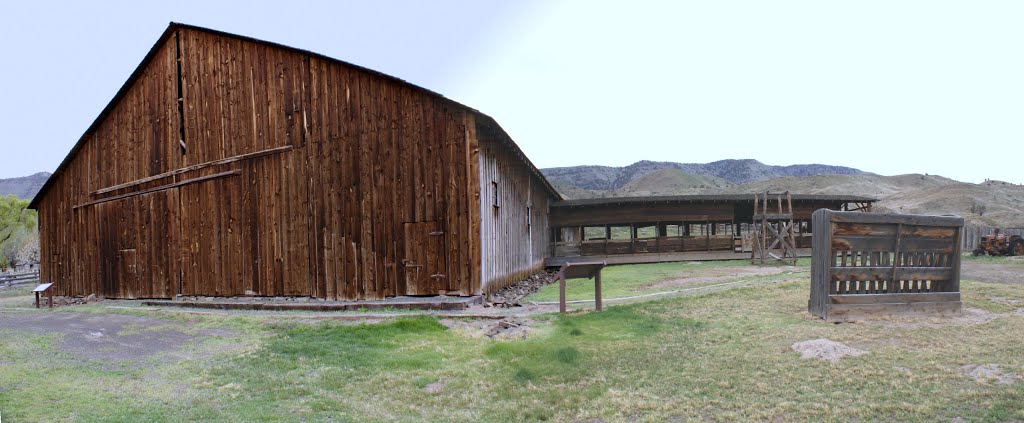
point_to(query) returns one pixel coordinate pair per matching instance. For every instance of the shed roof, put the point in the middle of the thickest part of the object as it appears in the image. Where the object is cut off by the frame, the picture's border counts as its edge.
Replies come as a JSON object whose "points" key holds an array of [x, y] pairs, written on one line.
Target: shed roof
{"points": [[676, 199], [505, 138]]}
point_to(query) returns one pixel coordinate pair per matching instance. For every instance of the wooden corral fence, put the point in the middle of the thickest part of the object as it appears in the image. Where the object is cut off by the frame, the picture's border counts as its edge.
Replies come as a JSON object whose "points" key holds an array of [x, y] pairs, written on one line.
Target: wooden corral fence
{"points": [[872, 264], [18, 278], [971, 235]]}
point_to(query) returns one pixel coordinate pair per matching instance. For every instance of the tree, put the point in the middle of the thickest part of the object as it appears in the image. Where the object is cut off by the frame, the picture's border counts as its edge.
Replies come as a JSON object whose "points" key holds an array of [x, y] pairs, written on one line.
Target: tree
{"points": [[979, 209], [29, 252], [15, 216], [10, 248], [17, 226]]}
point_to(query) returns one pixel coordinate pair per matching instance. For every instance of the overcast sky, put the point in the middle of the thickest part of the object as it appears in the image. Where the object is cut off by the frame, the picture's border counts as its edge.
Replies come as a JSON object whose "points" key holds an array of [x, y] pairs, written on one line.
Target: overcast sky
{"points": [[889, 87]]}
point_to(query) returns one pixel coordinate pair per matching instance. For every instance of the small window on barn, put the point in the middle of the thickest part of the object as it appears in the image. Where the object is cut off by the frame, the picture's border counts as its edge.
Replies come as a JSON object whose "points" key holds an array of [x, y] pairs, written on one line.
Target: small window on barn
{"points": [[494, 193]]}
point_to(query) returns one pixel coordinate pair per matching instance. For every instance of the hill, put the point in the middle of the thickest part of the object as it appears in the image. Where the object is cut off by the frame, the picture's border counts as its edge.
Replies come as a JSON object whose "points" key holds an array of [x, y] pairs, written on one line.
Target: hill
{"points": [[598, 181], [24, 187], [993, 203]]}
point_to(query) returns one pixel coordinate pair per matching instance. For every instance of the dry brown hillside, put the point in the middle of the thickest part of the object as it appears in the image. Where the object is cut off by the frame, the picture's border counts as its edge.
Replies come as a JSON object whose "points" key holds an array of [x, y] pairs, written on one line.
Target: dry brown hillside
{"points": [[673, 182], [993, 203]]}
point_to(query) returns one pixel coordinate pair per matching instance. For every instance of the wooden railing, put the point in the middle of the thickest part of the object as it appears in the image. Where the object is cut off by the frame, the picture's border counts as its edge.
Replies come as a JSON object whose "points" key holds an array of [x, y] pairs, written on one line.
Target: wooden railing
{"points": [[10, 279], [664, 244]]}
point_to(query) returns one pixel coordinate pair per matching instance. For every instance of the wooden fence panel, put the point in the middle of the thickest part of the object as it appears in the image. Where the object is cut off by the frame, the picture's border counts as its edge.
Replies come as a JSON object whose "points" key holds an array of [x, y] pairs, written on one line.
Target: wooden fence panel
{"points": [[908, 264]]}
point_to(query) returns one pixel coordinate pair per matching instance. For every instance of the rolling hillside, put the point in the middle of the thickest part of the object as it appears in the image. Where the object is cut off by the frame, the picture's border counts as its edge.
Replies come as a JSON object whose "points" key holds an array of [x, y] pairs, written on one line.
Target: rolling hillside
{"points": [[1003, 202], [992, 203], [24, 187], [686, 176]]}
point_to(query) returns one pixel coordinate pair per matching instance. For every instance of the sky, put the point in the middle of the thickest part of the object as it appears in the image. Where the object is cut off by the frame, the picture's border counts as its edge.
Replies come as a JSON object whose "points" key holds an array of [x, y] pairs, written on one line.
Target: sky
{"points": [[889, 87]]}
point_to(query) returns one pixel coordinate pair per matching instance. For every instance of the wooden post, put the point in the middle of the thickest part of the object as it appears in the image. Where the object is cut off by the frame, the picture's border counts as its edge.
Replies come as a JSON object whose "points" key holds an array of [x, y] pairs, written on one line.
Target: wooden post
{"points": [[597, 290], [561, 292]]}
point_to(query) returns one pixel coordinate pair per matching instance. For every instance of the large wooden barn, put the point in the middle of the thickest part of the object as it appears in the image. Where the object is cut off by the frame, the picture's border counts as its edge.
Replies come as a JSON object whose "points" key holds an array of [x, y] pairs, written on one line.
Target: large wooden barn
{"points": [[229, 166]]}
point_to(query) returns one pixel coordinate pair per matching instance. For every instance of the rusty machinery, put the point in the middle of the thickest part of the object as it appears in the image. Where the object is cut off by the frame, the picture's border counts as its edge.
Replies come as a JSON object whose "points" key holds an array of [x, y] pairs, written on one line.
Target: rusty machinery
{"points": [[999, 244]]}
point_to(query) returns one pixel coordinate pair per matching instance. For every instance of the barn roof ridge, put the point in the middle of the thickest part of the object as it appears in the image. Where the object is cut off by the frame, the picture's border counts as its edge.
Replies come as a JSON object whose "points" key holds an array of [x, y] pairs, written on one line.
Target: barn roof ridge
{"points": [[172, 26]]}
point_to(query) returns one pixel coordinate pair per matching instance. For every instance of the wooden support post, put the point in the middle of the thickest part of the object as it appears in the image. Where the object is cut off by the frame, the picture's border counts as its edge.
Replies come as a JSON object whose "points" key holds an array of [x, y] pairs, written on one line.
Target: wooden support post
{"points": [[707, 236], [597, 290], [561, 292]]}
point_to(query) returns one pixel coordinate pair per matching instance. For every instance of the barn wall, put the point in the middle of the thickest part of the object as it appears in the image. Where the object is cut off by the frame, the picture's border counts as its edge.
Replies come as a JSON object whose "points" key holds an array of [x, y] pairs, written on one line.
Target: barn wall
{"points": [[514, 233], [299, 176], [393, 161]]}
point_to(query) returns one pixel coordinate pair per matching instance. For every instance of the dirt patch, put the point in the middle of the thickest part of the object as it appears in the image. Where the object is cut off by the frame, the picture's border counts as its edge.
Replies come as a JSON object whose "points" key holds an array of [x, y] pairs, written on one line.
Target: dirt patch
{"points": [[510, 328], [967, 317], [1011, 272], [435, 387], [1007, 301], [826, 349], [720, 274], [989, 373], [114, 338]]}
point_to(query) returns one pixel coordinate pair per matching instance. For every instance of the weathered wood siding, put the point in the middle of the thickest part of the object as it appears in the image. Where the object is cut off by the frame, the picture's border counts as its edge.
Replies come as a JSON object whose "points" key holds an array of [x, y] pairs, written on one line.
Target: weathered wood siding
{"points": [[870, 264], [514, 227], [299, 176]]}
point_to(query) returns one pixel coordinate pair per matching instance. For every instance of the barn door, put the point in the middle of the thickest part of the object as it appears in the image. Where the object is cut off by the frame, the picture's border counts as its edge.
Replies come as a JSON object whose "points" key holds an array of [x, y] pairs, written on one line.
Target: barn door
{"points": [[211, 238], [158, 256], [117, 239], [424, 261]]}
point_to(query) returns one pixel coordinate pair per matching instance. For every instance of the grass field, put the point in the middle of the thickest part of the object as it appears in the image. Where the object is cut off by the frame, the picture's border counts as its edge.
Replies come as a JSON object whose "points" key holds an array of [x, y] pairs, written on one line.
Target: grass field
{"points": [[719, 356], [633, 280]]}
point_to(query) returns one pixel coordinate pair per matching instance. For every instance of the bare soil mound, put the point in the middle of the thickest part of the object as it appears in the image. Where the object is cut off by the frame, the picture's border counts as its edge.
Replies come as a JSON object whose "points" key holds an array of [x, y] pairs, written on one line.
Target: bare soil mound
{"points": [[826, 349]]}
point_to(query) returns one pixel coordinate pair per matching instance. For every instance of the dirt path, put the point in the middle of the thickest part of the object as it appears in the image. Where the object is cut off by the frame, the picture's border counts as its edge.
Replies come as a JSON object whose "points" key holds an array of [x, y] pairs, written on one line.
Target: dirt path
{"points": [[114, 338], [1010, 270]]}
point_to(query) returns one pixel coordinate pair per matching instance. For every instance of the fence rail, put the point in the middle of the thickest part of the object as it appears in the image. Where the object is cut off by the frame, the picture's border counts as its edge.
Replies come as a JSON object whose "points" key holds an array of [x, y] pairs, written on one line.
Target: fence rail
{"points": [[18, 278]]}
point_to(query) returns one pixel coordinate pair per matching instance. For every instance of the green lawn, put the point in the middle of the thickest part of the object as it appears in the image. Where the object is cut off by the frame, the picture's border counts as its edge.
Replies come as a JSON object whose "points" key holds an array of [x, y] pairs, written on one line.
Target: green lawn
{"points": [[636, 279], [719, 356]]}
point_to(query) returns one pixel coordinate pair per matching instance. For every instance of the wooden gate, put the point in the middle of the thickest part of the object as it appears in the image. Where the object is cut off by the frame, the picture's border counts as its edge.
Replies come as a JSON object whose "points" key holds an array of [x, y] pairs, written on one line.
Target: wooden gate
{"points": [[424, 262], [870, 264]]}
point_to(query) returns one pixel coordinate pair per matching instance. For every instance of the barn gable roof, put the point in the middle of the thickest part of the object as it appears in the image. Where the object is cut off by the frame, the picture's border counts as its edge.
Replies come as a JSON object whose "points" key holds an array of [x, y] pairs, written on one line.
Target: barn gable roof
{"points": [[173, 26]]}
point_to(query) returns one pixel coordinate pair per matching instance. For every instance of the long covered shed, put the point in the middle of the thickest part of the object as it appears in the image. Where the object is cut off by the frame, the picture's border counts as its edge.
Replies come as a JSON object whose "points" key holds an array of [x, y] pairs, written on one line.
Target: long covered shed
{"points": [[229, 166], [671, 228]]}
